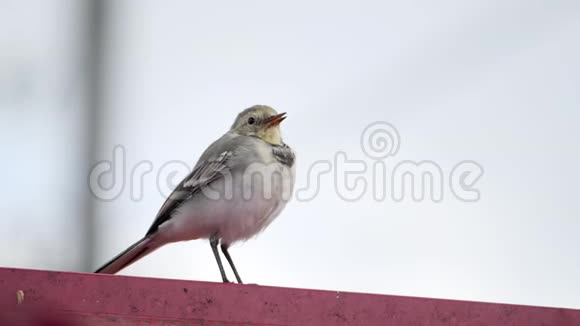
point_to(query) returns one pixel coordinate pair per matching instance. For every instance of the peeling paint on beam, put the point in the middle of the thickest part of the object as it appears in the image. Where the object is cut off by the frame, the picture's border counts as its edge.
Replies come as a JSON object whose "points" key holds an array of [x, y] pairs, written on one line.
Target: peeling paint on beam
{"points": [[43, 297]]}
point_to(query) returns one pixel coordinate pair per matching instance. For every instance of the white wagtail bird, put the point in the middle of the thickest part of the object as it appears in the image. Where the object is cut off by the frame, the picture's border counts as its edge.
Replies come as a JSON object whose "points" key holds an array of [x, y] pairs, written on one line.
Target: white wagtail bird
{"points": [[221, 199]]}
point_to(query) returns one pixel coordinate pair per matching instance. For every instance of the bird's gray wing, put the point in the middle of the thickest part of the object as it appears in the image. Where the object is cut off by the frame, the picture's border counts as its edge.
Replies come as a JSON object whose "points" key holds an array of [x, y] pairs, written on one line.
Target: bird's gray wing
{"points": [[205, 172]]}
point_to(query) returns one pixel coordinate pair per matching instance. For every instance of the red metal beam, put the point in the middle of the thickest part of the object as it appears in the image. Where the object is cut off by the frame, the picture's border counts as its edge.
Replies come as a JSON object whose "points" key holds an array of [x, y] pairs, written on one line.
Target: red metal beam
{"points": [[43, 297]]}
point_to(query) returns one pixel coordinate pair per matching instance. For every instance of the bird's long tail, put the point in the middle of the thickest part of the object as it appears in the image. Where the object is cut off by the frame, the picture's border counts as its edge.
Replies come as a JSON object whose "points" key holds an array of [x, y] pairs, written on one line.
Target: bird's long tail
{"points": [[135, 252]]}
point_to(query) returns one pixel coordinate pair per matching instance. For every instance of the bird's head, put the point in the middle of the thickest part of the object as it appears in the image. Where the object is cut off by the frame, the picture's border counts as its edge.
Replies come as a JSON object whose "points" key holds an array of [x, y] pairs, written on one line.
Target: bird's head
{"points": [[260, 121]]}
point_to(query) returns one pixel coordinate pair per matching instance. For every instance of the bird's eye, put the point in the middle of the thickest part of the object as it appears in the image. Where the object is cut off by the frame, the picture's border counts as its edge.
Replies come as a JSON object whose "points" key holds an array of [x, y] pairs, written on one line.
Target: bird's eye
{"points": [[251, 120]]}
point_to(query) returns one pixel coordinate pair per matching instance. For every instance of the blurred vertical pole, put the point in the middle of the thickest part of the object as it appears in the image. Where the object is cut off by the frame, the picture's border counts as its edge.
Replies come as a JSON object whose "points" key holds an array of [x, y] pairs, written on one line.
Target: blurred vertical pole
{"points": [[93, 53]]}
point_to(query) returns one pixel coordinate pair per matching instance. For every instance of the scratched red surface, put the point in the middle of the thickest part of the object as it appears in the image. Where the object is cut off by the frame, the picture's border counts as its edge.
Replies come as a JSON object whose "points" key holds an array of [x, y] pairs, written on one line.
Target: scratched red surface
{"points": [[61, 298]]}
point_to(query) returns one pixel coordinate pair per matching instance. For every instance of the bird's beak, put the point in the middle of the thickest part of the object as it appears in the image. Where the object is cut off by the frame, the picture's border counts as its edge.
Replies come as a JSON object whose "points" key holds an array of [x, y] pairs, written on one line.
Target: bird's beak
{"points": [[275, 119]]}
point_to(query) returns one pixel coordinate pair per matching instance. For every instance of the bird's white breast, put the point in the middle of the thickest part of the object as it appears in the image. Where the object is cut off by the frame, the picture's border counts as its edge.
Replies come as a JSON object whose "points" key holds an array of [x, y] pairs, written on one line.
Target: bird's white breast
{"points": [[255, 197]]}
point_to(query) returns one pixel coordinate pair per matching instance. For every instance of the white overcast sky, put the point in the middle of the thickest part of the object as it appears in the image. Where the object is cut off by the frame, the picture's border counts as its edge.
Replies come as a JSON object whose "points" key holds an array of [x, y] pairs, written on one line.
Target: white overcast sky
{"points": [[495, 82]]}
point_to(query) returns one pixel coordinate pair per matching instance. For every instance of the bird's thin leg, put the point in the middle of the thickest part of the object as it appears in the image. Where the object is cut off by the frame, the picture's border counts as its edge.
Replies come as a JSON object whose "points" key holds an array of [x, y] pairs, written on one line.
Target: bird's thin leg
{"points": [[229, 258], [213, 241]]}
